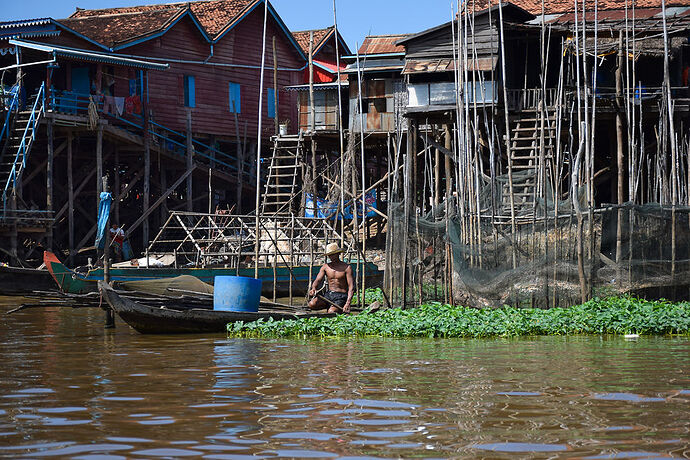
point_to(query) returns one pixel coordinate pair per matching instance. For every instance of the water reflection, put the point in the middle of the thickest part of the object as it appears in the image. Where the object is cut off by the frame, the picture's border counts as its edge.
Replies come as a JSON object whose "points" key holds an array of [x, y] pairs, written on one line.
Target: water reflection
{"points": [[72, 389]]}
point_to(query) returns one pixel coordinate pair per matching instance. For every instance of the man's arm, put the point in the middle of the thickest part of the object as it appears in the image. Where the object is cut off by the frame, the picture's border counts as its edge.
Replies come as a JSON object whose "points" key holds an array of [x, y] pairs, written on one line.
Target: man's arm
{"points": [[317, 281], [350, 288]]}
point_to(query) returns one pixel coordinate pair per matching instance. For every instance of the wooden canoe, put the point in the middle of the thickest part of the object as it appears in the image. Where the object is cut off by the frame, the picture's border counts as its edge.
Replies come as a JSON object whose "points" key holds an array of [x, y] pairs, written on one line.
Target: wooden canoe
{"points": [[170, 317], [14, 280]]}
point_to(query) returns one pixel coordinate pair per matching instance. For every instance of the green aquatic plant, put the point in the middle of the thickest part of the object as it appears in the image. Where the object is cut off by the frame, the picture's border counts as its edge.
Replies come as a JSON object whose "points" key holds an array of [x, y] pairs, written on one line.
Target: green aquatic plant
{"points": [[615, 315]]}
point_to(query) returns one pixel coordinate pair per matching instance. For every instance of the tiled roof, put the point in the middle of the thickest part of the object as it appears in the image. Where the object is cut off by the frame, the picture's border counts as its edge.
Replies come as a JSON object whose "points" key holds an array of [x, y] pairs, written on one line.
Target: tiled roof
{"points": [[115, 28], [302, 38], [381, 44], [112, 26], [565, 6]]}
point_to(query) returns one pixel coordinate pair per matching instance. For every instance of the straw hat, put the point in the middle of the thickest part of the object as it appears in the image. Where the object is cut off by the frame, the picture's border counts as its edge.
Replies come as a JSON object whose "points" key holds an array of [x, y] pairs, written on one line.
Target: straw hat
{"points": [[332, 249]]}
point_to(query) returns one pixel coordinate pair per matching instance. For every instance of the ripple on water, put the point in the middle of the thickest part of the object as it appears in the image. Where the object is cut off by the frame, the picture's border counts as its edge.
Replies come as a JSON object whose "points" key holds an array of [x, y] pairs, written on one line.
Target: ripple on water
{"points": [[366, 403], [81, 448], [628, 397], [157, 421], [646, 455], [167, 452], [60, 421], [519, 393], [60, 410], [299, 453], [122, 398], [132, 440], [362, 410], [376, 422], [305, 435], [385, 434], [520, 447]]}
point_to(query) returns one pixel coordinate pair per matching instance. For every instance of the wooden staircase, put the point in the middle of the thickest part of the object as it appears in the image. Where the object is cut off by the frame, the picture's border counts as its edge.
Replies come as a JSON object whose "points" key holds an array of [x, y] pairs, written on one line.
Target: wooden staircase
{"points": [[20, 140], [282, 183], [525, 139]]}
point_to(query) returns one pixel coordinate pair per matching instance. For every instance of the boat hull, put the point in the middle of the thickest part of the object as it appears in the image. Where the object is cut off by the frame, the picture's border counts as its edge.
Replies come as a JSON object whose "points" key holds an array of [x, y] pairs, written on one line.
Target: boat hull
{"points": [[159, 319], [72, 282], [15, 280]]}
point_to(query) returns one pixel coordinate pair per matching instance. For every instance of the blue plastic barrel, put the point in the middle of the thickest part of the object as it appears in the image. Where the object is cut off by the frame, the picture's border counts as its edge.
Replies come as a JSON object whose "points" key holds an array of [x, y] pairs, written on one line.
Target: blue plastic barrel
{"points": [[236, 293]]}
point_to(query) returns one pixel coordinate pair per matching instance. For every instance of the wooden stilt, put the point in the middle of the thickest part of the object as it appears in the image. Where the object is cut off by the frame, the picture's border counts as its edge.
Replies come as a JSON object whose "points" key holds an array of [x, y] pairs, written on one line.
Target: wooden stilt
{"points": [[99, 163], [116, 180], [70, 199], [49, 180]]}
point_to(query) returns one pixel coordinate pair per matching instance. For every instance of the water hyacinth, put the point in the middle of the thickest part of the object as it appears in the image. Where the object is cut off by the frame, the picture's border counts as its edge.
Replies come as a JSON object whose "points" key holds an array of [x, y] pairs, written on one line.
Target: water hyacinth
{"points": [[615, 315]]}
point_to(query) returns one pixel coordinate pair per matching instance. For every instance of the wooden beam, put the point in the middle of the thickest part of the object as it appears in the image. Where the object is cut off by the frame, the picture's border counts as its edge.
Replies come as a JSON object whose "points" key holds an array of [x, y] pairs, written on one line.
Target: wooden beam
{"points": [[160, 200], [99, 163], [70, 199], [37, 170], [49, 179]]}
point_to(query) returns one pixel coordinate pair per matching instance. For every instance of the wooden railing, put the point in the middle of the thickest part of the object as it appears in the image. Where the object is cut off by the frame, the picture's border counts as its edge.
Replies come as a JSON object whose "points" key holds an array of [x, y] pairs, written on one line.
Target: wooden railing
{"points": [[522, 99]]}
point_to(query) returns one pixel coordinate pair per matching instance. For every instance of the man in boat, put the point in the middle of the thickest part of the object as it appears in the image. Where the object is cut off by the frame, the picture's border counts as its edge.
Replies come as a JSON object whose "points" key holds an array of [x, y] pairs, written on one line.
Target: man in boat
{"points": [[341, 283]]}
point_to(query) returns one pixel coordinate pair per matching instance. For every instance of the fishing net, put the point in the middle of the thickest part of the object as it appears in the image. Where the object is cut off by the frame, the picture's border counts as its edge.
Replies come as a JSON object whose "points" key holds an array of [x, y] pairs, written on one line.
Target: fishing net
{"points": [[178, 286], [639, 249]]}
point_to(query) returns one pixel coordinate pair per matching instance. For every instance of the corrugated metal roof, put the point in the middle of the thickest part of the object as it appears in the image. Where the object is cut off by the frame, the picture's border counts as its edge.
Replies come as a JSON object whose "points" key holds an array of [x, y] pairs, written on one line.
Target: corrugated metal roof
{"points": [[91, 56], [382, 44], [413, 66], [567, 6]]}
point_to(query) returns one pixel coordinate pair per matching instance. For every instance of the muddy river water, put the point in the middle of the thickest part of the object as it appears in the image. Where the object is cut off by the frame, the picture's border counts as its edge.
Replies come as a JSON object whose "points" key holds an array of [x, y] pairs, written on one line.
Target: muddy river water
{"points": [[69, 388]]}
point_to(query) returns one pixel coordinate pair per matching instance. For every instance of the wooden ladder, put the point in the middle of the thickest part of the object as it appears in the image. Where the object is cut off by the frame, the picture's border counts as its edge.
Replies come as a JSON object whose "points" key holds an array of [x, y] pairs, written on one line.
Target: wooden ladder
{"points": [[525, 135], [282, 184]]}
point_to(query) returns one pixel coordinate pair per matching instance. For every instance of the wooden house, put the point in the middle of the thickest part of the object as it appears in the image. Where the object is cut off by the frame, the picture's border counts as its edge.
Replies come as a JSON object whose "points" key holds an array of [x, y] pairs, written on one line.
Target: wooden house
{"points": [[165, 95], [322, 73], [378, 63]]}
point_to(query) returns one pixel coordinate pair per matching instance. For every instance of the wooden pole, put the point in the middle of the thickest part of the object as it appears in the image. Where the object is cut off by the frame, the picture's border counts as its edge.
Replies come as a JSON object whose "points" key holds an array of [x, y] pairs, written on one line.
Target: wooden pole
{"points": [[239, 163], [190, 161], [275, 87], [147, 168], [509, 155], [99, 162], [312, 108], [258, 149], [109, 314], [49, 179], [70, 198], [116, 202]]}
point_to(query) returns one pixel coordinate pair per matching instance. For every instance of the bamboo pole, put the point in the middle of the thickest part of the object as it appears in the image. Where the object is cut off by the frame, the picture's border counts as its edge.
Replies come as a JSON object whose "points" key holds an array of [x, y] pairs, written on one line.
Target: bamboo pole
{"points": [[258, 149], [275, 89], [312, 108], [513, 224]]}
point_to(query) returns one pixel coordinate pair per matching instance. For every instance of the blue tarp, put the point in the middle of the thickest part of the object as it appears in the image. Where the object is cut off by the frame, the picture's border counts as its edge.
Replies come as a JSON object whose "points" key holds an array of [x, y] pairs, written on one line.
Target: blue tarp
{"points": [[329, 209], [103, 214]]}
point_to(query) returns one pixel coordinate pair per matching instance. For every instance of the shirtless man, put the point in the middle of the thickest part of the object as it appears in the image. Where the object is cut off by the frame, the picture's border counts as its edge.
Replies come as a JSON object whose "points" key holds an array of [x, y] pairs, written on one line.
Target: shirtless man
{"points": [[341, 284]]}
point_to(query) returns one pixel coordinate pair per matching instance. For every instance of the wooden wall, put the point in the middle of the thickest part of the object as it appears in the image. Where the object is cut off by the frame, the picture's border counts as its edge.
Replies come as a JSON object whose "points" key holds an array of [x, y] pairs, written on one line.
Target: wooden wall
{"points": [[242, 45]]}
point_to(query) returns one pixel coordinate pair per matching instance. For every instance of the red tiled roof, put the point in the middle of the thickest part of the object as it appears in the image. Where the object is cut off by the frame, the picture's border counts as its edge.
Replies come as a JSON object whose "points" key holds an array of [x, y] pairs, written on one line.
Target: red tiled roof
{"points": [[113, 29], [302, 38], [381, 44], [565, 6], [112, 26]]}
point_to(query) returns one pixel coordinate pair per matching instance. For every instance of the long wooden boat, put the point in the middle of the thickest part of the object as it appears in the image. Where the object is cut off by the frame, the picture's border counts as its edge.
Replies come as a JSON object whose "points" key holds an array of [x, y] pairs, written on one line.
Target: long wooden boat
{"points": [[15, 280], [72, 282], [171, 317]]}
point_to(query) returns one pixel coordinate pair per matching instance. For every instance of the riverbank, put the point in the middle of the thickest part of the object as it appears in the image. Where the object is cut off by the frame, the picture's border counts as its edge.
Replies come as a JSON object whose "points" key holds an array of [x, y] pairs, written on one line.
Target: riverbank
{"points": [[615, 315]]}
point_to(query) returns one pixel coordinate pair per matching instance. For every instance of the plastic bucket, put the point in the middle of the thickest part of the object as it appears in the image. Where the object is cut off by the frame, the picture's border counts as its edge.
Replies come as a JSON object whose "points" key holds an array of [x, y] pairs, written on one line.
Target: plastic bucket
{"points": [[236, 293]]}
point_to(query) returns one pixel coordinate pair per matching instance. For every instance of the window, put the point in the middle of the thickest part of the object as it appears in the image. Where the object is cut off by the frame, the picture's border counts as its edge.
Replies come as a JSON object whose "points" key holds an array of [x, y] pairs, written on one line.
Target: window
{"points": [[271, 103], [234, 101], [189, 95]]}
